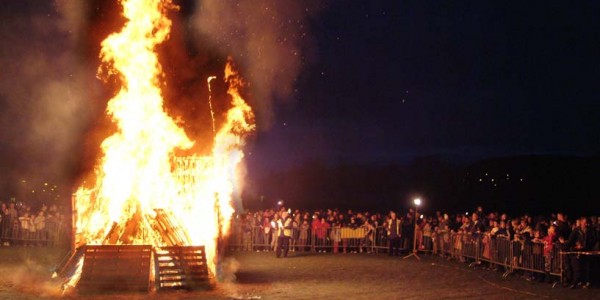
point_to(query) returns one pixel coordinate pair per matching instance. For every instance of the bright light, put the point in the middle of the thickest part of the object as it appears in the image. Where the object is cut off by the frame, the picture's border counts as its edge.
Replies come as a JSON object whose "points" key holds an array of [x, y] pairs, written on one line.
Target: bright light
{"points": [[417, 201]]}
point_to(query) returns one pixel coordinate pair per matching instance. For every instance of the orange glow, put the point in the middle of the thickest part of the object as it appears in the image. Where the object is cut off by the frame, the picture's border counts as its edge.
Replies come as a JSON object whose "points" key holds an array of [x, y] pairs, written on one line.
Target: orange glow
{"points": [[139, 177]]}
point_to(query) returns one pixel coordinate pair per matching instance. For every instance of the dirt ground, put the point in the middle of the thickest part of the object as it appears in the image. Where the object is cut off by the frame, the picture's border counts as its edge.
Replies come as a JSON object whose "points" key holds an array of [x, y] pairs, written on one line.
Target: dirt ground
{"points": [[25, 274]]}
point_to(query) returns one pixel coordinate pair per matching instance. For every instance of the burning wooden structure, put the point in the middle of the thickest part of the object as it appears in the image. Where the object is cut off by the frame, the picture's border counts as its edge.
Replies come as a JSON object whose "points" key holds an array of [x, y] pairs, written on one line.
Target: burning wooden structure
{"points": [[155, 193], [122, 267]]}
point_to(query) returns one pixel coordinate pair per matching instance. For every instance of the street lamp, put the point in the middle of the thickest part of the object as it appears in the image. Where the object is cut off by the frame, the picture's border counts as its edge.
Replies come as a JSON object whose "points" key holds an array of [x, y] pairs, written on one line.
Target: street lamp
{"points": [[417, 202]]}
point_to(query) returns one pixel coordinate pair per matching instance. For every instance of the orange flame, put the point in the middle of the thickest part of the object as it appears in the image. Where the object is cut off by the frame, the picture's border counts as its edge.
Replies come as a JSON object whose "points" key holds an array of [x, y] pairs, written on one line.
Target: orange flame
{"points": [[139, 175]]}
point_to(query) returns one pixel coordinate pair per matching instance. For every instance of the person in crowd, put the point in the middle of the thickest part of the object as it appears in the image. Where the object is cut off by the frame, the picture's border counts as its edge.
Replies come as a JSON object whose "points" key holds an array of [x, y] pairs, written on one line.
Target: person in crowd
{"points": [[477, 227], [513, 228], [13, 212], [418, 232], [273, 231], [40, 226], [479, 212], [524, 230], [494, 228], [595, 226], [3, 221], [526, 235], [466, 225], [247, 233], [548, 241], [408, 230], [369, 238], [343, 242], [502, 231], [336, 231], [321, 231], [257, 231], [444, 222], [303, 235], [284, 228], [517, 242], [581, 239], [444, 236], [427, 231], [266, 225], [563, 230], [32, 228], [540, 224], [6, 224], [296, 221], [25, 220], [52, 224], [456, 223], [352, 241], [315, 227], [394, 230]]}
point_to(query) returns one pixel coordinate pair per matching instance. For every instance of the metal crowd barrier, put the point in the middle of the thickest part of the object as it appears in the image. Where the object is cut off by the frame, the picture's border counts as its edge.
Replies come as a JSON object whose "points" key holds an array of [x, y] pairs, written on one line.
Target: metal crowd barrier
{"points": [[442, 243], [496, 252], [499, 253], [588, 266], [335, 239], [13, 233]]}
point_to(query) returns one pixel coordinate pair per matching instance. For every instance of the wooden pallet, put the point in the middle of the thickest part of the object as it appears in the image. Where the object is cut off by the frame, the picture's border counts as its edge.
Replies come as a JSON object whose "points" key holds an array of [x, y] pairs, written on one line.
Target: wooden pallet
{"points": [[68, 265], [116, 268], [181, 267]]}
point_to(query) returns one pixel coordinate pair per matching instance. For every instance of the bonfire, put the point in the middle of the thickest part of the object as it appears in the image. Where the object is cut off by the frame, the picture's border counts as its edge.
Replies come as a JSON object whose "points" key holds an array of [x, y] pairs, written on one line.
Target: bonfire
{"points": [[143, 191]]}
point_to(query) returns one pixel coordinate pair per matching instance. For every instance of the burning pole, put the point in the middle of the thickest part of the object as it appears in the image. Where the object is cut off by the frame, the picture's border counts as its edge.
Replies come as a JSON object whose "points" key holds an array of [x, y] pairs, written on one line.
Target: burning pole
{"points": [[212, 113], [73, 224]]}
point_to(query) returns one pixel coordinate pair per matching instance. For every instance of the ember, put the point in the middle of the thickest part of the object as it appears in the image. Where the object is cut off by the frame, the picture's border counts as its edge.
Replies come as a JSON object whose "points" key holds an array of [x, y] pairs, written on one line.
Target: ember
{"points": [[143, 192]]}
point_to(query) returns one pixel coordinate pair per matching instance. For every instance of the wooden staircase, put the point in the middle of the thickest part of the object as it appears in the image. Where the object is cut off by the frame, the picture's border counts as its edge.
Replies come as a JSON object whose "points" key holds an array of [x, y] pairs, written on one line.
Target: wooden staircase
{"points": [[181, 267]]}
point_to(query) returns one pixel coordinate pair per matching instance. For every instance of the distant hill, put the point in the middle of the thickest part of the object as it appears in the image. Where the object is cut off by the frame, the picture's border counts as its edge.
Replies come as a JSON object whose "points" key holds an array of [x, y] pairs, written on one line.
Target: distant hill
{"points": [[534, 184], [543, 183]]}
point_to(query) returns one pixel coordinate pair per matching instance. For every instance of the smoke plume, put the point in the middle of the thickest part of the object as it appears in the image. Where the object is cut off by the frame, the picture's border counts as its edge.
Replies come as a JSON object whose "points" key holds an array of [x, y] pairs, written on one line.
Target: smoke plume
{"points": [[269, 38], [44, 88], [48, 89]]}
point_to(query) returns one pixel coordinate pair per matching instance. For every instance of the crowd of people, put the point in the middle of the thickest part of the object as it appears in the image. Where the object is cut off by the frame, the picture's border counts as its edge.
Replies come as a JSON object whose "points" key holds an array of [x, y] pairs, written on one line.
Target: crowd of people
{"points": [[259, 232], [21, 224]]}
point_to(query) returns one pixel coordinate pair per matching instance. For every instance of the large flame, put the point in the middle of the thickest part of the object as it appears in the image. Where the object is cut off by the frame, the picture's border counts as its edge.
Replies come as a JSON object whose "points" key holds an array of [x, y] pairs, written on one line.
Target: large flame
{"points": [[140, 176]]}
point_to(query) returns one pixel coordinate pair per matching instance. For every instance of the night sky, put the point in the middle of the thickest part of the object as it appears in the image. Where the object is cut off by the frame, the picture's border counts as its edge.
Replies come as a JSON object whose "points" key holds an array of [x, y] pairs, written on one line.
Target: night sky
{"points": [[382, 82], [465, 80]]}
